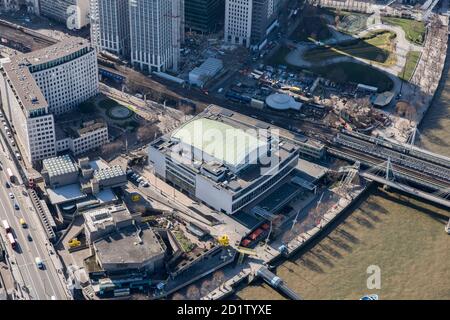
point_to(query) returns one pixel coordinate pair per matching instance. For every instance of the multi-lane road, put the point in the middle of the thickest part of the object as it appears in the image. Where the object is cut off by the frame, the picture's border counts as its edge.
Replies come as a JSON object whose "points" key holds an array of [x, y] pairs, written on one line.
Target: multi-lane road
{"points": [[35, 283]]}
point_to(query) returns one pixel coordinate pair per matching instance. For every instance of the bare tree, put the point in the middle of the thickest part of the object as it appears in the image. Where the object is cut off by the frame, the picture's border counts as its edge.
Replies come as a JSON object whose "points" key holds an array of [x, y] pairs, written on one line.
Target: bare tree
{"points": [[111, 148], [218, 278], [147, 133], [178, 296], [193, 293], [206, 287]]}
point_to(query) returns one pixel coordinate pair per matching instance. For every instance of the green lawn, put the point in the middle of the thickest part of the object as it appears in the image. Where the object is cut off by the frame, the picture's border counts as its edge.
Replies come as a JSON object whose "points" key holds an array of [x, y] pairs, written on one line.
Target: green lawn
{"points": [[415, 30], [412, 58], [350, 22], [357, 73], [375, 47]]}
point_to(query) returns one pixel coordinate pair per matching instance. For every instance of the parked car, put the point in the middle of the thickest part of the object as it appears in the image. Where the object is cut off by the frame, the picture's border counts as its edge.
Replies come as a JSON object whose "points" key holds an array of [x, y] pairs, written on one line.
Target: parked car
{"points": [[29, 238], [11, 195]]}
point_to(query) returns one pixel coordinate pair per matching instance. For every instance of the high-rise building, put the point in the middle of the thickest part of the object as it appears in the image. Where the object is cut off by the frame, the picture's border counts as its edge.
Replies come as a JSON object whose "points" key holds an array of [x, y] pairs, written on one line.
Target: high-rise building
{"points": [[38, 85], [15, 5], [248, 22], [110, 26], [204, 15], [73, 13], [156, 33]]}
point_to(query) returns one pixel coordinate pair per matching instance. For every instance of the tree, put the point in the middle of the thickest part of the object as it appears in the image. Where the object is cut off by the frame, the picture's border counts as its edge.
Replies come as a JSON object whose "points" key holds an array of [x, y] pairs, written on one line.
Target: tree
{"points": [[178, 296], [206, 287], [218, 278], [147, 133], [193, 293], [111, 148]]}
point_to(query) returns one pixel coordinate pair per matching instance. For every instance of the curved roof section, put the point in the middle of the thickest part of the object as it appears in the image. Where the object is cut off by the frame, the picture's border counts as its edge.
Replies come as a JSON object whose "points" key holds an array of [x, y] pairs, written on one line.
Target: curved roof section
{"points": [[223, 142], [280, 101]]}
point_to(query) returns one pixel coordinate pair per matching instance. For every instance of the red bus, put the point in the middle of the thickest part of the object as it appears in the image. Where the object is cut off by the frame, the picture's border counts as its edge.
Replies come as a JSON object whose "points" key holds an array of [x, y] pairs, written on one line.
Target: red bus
{"points": [[11, 239], [6, 226]]}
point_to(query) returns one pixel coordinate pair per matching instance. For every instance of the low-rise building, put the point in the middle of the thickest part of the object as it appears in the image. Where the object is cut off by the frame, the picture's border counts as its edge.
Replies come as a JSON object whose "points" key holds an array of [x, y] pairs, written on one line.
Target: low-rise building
{"points": [[59, 171], [224, 159], [207, 70], [101, 221], [89, 135], [130, 250]]}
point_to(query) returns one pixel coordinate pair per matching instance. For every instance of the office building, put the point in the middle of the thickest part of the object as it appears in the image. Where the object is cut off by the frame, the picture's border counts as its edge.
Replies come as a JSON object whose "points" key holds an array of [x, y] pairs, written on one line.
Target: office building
{"points": [[38, 85], [249, 22], [204, 15], [156, 34], [110, 26]]}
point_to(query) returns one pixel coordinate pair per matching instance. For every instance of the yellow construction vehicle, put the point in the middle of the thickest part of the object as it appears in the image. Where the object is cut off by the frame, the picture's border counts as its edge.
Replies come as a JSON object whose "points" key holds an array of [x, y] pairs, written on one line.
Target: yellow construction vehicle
{"points": [[224, 240], [74, 243], [135, 197]]}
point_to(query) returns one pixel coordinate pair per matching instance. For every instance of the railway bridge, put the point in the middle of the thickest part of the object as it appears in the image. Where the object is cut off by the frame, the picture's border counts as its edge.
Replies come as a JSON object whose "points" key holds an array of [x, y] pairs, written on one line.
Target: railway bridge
{"points": [[401, 166]]}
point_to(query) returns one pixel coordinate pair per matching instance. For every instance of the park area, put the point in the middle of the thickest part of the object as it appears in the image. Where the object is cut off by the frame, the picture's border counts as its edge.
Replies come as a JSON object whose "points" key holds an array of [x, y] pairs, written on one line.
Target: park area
{"points": [[412, 59], [376, 47], [414, 30]]}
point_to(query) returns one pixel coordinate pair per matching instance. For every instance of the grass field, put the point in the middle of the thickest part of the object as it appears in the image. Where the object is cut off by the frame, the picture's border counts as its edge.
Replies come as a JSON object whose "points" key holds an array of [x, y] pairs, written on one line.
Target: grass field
{"points": [[415, 30], [412, 58], [357, 73], [404, 237], [375, 47], [350, 22]]}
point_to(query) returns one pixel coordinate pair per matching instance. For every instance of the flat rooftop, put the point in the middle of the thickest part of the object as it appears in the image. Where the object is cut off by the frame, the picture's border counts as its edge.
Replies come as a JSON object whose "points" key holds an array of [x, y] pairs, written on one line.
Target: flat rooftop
{"points": [[19, 70], [58, 166], [76, 126], [129, 246], [228, 147], [68, 193], [226, 143]]}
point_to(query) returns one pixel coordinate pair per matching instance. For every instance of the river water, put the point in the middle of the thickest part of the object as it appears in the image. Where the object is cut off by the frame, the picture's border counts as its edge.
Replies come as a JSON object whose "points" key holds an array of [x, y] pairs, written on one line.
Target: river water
{"points": [[401, 236]]}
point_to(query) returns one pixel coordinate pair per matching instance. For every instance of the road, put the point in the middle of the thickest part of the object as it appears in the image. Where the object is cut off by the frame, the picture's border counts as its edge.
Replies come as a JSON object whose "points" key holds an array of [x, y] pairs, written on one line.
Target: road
{"points": [[38, 284]]}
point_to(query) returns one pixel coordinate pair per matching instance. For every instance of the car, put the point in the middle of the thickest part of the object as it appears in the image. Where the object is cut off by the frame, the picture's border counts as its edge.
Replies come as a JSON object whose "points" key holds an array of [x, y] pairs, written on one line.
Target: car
{"points": [[18, 156], [39, 263], [23, 223], [16, 205], [7, 184], [13, 143], [11, 195], [29, 238]]}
